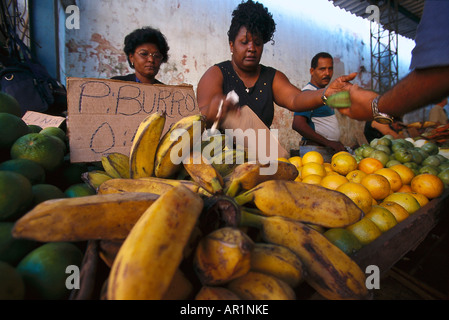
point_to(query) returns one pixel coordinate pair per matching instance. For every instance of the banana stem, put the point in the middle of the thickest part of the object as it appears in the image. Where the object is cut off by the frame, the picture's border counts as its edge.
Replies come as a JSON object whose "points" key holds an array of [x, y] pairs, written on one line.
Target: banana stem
{"points": [[244, 198], [248, 219], [233, 188], [216, 185]]}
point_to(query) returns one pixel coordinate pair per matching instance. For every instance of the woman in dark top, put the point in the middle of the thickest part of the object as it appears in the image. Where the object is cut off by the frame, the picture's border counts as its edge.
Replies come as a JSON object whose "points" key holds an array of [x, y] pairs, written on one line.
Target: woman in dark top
{"points": [[146, 49], [257, 86]]}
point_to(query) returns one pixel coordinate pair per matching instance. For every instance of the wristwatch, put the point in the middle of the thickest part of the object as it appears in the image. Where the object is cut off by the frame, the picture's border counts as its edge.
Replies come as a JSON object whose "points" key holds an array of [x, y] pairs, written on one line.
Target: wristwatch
{"points": [[324, 98], [379, 116]]}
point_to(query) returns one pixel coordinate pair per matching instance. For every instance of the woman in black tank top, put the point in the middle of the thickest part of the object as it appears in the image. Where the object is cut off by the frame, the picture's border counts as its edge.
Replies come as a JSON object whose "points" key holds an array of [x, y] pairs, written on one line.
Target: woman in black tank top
{"points": [[257, 86]]}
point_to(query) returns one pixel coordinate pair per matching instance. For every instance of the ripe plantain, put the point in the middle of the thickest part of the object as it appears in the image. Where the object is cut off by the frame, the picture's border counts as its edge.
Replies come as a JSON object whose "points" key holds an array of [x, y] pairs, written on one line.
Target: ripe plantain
{"points": [[95, 178], [116, 165], [176, 144], [151, 254], [213, 146], [277, 261], [261, 286], [83, 218], [216, 293], [329, 270], [145, 142], [202, 172], [248, 175], [149, 184], [303, 202], [222, 255], [228, 160]]}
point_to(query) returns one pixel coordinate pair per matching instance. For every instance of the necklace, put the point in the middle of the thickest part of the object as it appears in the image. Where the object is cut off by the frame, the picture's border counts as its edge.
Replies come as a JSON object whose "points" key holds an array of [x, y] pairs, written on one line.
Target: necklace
{"points": [[247, 89]]}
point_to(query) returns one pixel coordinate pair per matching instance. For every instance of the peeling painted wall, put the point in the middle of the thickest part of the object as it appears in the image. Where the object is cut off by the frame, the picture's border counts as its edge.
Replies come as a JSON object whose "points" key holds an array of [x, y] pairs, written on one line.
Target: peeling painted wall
{"points": [[196, 31]]}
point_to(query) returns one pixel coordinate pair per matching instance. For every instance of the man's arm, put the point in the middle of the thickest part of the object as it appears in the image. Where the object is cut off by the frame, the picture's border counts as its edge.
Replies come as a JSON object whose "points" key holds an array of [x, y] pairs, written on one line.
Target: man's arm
{"points": [[301, 126], [418, 89]]}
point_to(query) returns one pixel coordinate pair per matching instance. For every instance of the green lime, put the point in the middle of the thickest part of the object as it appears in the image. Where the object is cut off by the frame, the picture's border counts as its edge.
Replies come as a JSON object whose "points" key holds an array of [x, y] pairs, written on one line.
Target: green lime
{"points": [[30, 169], [34, 128], [11, 128], [391, 163], [9, 104], [15, 195], [384, 141], [374, 142], [444, 176], [432, 160], [79, 190], [403, 155], [381, 156], [443, 166], [429, 169], [44, 192], [12, 286], [39, 148], [343, 239], [12, 250], [367, 151], [55, 132], [430, 147], [416, 156], [44, 270]]}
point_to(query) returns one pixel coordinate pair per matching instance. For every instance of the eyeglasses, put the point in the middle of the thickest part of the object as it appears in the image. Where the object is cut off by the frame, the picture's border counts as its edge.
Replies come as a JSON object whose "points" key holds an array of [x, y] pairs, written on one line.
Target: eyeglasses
{"points": [[145, 55]]}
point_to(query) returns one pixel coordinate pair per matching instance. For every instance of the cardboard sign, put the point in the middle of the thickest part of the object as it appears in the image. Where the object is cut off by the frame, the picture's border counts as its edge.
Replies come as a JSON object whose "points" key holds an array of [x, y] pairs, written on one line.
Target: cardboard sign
{"points": [[103, 115], [42, 120]]}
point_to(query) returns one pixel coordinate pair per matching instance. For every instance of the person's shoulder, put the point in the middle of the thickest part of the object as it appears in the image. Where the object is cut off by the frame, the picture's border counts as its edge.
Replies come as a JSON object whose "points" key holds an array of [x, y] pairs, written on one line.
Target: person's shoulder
{"points": [[309, 87]]}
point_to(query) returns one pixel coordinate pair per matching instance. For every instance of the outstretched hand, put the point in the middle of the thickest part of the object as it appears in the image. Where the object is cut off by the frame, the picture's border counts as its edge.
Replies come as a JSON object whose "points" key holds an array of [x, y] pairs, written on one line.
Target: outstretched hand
{"points": [[340, 84]]}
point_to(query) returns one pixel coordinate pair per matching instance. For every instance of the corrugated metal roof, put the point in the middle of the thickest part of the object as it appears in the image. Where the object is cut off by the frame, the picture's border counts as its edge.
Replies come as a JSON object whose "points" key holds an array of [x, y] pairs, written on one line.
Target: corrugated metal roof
{"points": [[409, 13]]}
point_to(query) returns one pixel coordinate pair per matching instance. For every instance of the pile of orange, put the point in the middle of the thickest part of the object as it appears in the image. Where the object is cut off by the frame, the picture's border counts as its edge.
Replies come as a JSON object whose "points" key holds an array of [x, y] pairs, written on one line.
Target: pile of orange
{"points": [[386, 195]]}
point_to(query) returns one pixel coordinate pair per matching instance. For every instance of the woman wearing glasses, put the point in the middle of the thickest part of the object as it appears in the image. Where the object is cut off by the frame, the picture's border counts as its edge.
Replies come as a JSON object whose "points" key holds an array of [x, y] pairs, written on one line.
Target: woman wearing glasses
{"points": [[146, 49]]}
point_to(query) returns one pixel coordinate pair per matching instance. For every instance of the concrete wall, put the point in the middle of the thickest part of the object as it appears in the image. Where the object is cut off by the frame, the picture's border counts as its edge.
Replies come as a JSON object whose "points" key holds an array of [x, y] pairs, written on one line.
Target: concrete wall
{"points": [[197, 34]]}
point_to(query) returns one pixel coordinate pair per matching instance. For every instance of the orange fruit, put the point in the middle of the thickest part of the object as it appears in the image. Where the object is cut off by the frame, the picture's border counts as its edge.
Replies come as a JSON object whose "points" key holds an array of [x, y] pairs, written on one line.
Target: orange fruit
{"points": [[339, 153], [296, 160], [358, 194], [406, 200], [392, 176], [377, 185], [344, 163], [428, 184], [404, 172], [312, 168], [333, 181], [396, 209], [382, 218], [328, 167], [343, 239], [422, 199], [312, 179], [364, 230], [312, 156], [356, 176], [405, 188], [369, 165]]}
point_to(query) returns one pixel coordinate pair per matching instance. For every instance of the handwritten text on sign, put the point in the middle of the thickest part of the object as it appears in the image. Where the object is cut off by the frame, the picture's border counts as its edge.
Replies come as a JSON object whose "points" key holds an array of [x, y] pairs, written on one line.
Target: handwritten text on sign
{"points": [[103, 115]]}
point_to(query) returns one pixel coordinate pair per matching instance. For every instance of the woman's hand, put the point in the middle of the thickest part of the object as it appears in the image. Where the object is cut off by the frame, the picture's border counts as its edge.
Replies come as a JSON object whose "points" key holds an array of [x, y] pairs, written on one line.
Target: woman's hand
{"points": [[340, 84]]}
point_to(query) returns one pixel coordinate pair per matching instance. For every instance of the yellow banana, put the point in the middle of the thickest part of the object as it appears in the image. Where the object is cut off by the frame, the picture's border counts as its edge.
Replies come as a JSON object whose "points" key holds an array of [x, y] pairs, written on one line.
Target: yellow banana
{"points": [[222, 255], [116, 165], [180, 288], [149, 184], [261, 286], [95, 178], [109, 216], [248, 175], [216, 293], [213, 146], [328, 270], [176, 144], [144, 146], [202, 172], [149, 257], [228, 160], [277, 261], [304, 202]]}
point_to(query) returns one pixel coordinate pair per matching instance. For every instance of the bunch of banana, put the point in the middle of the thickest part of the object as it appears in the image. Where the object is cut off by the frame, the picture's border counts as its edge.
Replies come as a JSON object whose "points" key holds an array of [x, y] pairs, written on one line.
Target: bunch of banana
{"points": [[203, 173], [213, 146], [215, 293], [177, 143], [304, 202], [95, 178], [149, 184], [278, 261], [260, 286], [328, 270], [180, 288], [144, 146], [152, 252], [109, 216], [226, 161], [249, 174], [116, 165], [223, 255]]}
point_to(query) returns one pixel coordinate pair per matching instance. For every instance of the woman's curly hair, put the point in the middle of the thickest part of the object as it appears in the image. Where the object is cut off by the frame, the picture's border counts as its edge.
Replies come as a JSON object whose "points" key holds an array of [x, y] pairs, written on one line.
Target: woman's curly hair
{"points": [[146, 35], [256, 18]]}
